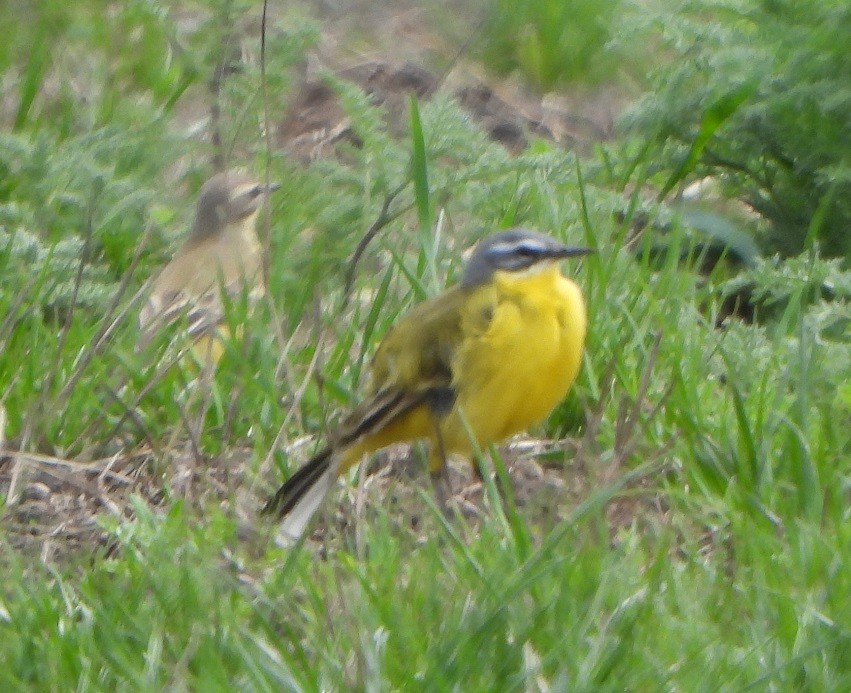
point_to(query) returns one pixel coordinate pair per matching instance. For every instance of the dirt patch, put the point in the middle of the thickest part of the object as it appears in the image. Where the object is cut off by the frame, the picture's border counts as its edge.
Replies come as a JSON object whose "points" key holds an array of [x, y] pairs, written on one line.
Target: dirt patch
{"points": [[62, 507], [393, 52], [316, 122], [57, 506], [544, 491]]}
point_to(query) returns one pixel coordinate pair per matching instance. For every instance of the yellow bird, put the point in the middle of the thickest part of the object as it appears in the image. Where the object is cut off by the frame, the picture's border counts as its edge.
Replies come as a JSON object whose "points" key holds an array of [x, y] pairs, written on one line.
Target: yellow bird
{"points": [[221, 253], [483, 360]]}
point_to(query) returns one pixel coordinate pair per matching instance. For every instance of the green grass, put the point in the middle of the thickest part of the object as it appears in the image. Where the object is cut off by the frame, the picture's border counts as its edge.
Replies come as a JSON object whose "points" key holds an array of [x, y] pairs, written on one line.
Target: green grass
{"points": [[552, 42], [700, 538]]}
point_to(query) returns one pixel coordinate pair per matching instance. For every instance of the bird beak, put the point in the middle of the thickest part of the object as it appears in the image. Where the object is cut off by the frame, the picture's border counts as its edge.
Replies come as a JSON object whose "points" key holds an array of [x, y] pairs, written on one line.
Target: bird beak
{"points": [[272, 187], [568, 251]]}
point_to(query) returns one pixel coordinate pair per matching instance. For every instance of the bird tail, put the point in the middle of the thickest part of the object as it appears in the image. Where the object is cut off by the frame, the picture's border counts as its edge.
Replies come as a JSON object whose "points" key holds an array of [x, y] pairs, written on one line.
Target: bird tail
{"points": [[301, 495]]}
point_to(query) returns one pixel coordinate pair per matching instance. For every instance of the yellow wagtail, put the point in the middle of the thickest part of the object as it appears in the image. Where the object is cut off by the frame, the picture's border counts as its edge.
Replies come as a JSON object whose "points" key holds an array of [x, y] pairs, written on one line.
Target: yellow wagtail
{"points": [[221, 253], [483, 360]]}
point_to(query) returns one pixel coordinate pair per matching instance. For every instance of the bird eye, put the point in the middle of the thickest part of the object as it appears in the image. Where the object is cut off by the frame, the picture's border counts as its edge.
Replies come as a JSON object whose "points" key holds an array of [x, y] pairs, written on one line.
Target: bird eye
{"points": [[528, 250]]}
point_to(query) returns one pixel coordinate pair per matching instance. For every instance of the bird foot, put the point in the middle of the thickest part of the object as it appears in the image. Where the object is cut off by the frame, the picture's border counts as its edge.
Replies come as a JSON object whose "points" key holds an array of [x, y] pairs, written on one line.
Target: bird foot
{"points": [[443, 492]]}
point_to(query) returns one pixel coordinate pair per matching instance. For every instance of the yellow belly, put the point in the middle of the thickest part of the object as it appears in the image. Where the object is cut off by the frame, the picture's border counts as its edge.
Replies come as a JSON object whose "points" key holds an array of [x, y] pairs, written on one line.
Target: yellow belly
{"points": [[513, 374]]}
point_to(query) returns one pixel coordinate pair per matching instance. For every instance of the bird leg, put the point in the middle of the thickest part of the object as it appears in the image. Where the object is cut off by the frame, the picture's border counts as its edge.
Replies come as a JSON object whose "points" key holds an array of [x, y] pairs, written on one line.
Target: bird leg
{"points": [[439, 472]]}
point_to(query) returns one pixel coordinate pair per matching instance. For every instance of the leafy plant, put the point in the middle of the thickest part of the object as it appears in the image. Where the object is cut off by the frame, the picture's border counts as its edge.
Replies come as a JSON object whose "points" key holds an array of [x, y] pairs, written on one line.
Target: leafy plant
{"points": [[771, 79]]}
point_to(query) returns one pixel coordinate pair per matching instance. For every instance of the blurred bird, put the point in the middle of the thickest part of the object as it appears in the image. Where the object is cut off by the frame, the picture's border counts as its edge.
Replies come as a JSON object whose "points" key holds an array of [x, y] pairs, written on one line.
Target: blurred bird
{"points": [[483, 360], [220, 254]]}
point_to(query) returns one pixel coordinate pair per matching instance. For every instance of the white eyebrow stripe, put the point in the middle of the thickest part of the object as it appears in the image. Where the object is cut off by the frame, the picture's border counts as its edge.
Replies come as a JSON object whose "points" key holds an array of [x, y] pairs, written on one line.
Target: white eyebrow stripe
{"points": [[503, 248], [507, 248]]}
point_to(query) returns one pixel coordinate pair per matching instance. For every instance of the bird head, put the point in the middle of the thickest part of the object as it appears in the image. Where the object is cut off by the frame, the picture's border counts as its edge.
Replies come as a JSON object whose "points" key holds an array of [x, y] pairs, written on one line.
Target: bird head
{"points": [[517, 251], [229, 197]]}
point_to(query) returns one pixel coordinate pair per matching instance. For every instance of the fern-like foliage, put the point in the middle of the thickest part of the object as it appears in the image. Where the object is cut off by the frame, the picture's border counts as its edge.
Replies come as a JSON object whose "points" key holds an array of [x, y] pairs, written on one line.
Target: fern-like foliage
{"points": [[774, 78]]}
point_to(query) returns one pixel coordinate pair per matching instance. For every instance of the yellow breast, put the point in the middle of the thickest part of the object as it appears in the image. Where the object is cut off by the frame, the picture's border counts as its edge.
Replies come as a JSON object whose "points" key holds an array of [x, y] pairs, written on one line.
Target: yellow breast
{"points": [[511, 371]]}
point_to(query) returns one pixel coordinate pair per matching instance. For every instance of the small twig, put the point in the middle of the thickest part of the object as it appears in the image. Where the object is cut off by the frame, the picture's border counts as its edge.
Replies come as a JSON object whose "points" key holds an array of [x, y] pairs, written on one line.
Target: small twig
{"points": [[475, 33], [163, 369], [85, 257], [215, 87], [134, 417], [384, 218], [99, 466], [277, 321], [267, 141], [194, 436]]}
